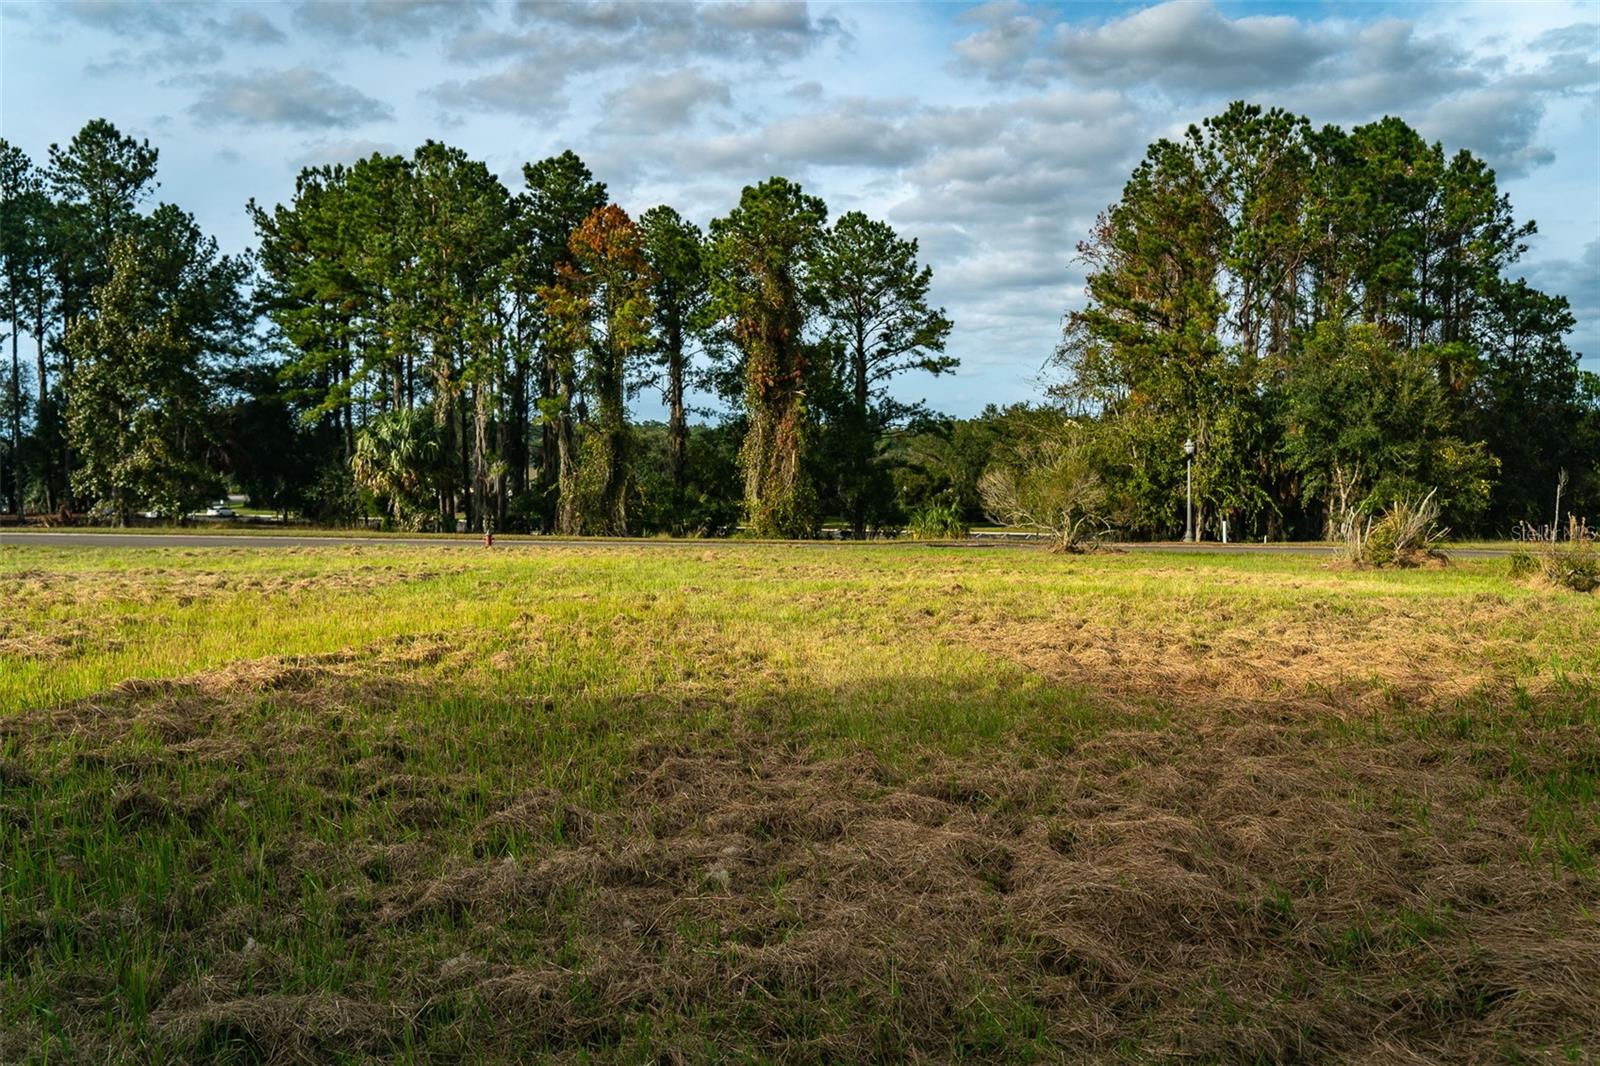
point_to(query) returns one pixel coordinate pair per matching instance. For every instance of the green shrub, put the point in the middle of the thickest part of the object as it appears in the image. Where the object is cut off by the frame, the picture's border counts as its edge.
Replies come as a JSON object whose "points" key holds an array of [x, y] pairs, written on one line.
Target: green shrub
{"points": [[939, 521], [1407, 534], [1569, 562], [1379, 549], [1576, 567], [1573, 563], [1049, 484]]}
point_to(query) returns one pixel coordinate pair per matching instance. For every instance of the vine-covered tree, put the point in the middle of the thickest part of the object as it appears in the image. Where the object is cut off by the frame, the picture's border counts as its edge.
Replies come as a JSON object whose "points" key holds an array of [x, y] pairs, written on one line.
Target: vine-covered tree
{"points": [[761, 259]]}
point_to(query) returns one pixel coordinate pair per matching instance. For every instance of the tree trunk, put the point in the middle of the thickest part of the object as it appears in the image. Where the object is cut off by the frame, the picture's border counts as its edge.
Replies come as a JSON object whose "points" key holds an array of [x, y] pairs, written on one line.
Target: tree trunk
{"points": [[863, 457], [516, 428], [444, 420], [41, 411], [551, 449], [567, 471], [610, 427], [64, 484], [677, 428], [779, 499], [469, 501], [480, 449], [347, 417], [502, 445], [16, 417]]}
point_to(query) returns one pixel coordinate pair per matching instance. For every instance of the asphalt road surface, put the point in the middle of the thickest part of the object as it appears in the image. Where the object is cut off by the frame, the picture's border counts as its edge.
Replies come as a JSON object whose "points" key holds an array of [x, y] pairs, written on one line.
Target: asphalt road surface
{"points": [[63, 539]]}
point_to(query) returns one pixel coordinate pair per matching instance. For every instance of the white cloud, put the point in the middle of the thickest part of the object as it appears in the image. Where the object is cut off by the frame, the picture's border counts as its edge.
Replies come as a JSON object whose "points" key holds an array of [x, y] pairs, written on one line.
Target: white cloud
{"points": [[344, 150], [993, 134], [1000, 49], [528, 86], [182, 33], [387, 23], [665, 101], [737, 29], [1192, 47], [298, 98]]}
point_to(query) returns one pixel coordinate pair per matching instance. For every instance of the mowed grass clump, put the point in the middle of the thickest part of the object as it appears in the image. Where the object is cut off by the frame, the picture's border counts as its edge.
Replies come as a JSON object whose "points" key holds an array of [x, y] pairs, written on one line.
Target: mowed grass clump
{"points": [[808, 803]]}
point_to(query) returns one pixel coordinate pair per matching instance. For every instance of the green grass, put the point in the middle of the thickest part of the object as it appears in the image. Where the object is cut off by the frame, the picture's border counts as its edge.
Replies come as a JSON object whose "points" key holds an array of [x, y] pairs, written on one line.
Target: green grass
{"points": [[771, 801]]}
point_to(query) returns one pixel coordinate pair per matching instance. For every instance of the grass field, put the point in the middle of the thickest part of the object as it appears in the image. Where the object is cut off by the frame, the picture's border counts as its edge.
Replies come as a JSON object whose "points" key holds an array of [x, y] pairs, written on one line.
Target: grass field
{"points": [[756, 802]]}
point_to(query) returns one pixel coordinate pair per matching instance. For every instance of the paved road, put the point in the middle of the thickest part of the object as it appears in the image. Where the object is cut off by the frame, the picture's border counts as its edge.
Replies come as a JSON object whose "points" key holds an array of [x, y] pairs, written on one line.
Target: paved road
{"points": [[63, 539]]}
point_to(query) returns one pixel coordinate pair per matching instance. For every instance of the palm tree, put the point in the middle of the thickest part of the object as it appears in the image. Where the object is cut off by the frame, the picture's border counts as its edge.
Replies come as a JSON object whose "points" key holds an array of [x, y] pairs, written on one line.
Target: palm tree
{"points": [[398, 458]]}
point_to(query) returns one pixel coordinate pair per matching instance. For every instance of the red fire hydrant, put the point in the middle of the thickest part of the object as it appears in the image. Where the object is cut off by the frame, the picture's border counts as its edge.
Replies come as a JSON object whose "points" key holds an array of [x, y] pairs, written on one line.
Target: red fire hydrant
{"points": [[488, 539]]}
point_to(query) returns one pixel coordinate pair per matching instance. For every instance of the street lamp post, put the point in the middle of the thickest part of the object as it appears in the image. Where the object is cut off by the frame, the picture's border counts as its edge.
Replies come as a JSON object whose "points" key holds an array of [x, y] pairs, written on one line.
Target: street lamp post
{"points": [[1188, 506]]}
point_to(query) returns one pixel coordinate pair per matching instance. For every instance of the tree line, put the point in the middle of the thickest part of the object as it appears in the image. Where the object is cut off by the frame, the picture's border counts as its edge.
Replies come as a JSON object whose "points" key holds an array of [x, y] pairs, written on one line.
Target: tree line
{"points": [[1330, 316], [412, 335], [1333, 318]]}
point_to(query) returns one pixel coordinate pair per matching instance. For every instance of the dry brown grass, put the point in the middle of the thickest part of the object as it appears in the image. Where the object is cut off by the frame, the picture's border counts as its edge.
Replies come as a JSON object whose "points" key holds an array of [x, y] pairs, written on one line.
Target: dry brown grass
{"points": [[1225, 891], [1320, 658]]}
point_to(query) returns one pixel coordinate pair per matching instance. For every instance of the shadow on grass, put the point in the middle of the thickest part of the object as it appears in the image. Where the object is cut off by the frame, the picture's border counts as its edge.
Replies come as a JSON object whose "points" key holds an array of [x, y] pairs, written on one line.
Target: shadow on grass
{"points": [[309, 859]]}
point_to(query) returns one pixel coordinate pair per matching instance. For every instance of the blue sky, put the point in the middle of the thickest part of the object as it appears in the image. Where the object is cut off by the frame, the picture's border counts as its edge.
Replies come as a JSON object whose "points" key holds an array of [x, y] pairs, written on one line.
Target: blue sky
{"points": [[993, 133]]}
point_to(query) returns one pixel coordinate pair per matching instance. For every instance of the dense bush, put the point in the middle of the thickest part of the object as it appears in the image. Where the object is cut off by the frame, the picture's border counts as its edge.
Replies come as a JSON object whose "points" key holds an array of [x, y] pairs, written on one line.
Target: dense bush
{"points": [[939, 521], [1573, 565], [1407, 534], [1572, 562], [1048, 482]]}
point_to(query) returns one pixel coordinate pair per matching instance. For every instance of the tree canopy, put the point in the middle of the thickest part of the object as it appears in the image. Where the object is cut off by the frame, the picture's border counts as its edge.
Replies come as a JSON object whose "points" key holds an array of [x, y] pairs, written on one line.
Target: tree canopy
{"points": [[1333, 316]]}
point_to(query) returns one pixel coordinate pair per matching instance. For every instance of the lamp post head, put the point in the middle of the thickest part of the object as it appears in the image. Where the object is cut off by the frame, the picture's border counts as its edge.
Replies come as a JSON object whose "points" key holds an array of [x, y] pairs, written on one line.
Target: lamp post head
{"points": [[1188, 447]]}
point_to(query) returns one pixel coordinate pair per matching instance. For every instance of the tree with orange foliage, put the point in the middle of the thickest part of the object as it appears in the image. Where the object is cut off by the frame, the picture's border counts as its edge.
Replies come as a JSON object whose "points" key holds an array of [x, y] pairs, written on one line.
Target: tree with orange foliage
{"points": [[599, 310]]}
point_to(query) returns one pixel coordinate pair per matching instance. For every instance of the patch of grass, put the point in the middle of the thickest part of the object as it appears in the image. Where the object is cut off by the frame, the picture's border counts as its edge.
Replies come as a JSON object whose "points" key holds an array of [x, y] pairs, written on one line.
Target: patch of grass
{"points": [[765, 801]]}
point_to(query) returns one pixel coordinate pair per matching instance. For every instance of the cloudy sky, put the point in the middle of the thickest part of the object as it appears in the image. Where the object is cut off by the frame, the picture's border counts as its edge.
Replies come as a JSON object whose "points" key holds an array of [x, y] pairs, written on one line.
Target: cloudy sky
{"points": [[990, 132]]}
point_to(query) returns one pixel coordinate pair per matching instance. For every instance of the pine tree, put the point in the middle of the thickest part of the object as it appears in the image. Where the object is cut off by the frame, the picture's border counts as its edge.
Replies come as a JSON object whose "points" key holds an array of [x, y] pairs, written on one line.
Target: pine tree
{"points": [[140, 397], [875, 296], [677, 253]]}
